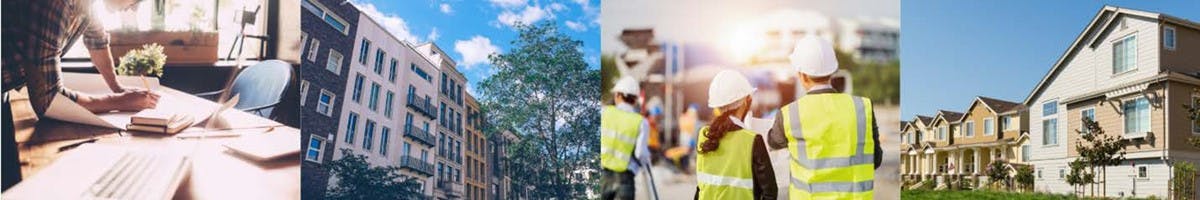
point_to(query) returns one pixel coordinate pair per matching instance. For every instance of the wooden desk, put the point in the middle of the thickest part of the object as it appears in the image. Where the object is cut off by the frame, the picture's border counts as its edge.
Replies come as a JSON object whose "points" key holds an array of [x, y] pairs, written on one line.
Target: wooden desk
{"points": [[216, 172]]}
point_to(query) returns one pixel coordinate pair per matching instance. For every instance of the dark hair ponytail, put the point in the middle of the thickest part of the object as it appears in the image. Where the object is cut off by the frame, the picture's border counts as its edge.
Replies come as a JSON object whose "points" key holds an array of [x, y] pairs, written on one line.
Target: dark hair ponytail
{"points": [[718, 128]]}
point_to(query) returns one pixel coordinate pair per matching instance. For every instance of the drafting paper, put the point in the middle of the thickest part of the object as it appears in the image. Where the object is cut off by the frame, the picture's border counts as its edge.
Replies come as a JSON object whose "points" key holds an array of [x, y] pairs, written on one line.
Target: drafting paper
{"points": [[62, 108]]}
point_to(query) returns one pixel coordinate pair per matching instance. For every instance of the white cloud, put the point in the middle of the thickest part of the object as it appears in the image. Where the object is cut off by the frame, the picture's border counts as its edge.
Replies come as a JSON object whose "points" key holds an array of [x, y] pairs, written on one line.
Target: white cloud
{"points": [[557, 7], [573, 25], [392, 23], [529, 15], [433, 35], [508, 3], [446, 9], [475, 51]]}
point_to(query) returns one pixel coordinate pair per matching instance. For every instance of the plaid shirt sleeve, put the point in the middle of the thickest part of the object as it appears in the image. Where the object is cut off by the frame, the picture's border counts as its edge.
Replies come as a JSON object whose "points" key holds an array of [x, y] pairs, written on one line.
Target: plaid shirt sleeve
{"points": [[94, 35]]}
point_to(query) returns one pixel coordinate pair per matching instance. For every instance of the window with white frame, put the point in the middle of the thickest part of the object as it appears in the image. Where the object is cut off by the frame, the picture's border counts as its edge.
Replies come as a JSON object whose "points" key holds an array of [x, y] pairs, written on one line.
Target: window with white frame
{"points": [[303, 91], [1050, 123], [325, 102], [332, 19], [1141, 172], [942, 133], [1125, 54], [303, 41], [970, 129], [316, 148], [1006, 123], [1137, 116], [1169, 37], [989, 126], [313, 47], [1088, 114], [1026, 151], [334, 63]]}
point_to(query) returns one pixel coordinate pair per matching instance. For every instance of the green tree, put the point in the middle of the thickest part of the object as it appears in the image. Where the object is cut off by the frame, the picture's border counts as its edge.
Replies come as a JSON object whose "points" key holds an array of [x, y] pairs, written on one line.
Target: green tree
{"points": [[543, 89], [1080, 176], [1098, 150], [1024, 177], [357, 179], [1183, 184], [997, 171]]}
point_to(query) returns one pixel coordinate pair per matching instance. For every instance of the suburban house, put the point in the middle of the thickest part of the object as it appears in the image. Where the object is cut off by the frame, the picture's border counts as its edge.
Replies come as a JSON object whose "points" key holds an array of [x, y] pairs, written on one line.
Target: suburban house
{"points": [[961, 145], [912, 156], [1133, 72]]}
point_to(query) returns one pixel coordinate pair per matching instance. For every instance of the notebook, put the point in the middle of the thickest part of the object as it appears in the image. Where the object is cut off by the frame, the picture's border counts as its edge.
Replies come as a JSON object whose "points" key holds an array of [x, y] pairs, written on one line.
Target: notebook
{"points": [[177, 124]]}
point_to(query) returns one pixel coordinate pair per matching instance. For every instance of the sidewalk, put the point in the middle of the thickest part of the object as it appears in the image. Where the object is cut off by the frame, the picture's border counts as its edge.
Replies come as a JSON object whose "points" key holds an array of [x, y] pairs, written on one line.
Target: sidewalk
{"points": [[887, 177]]}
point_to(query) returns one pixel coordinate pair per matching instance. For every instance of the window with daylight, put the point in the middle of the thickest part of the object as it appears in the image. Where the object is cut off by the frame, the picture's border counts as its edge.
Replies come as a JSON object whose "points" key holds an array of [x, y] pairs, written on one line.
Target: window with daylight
{"points": [[316, 147], [941, 134], [351, 127], [1125, 54], [313, 48], [1006, 123], [1169, 38], [1026, 151], [383, 140], [332, 19], [303, 41], [368, 135], [325, 103], [1050, 130], [421, 72], [1137, 116], [358, 87], [1050, 108], [379, 57], [406, 149], [1141, 171], [988, 126], [363, 49], [334, 63], [387, 107], [392, 71], [373, 103], [1088, 114]]}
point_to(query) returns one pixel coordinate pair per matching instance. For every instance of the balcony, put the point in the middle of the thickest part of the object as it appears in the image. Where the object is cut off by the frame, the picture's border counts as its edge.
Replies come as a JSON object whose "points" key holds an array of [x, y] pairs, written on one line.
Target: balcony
{"points": [[450, 188], [422, 105], [415, 164], [419, 135]]}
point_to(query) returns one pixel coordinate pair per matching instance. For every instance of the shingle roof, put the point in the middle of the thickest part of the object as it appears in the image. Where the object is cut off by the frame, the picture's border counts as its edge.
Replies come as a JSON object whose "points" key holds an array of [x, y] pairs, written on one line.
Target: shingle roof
{"points": [[1000, 106], [951, 115], [924, 119]]}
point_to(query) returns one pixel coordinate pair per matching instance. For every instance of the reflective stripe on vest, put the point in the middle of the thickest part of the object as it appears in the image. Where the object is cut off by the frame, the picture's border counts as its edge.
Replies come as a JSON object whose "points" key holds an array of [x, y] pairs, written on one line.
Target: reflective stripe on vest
{"points": [[726, 173], [833, 170], [618, 136]]}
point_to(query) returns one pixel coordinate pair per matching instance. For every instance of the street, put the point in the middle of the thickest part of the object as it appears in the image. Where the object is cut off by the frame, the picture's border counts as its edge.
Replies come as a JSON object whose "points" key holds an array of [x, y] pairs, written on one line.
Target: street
{"points": [[671, 185]]}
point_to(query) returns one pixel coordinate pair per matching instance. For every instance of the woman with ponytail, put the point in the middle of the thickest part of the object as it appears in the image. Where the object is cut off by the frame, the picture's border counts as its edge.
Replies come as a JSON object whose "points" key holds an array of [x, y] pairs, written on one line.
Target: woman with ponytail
{"points": [[732, 160]]}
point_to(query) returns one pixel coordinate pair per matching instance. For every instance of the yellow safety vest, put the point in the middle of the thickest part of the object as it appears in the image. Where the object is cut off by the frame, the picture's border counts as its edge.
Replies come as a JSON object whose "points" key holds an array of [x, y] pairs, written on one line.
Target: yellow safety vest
{"points": [[829, 139], [618, 136], [725, 173]]}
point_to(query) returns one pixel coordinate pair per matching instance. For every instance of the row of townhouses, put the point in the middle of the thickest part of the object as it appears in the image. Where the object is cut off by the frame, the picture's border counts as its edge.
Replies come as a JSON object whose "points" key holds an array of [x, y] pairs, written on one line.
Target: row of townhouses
{"points": [[399, 104], [1132, 71]]}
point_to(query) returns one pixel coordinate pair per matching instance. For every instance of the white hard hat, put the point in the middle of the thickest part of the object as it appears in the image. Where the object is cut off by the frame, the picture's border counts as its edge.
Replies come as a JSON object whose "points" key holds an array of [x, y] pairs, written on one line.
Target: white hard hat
{"points": [[627, 85], [727, 87], [814, 56]]}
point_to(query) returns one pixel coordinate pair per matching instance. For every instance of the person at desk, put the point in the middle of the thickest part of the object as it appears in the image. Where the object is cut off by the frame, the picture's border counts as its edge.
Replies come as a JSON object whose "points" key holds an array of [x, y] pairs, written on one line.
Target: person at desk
{"points": [[35, 37]]}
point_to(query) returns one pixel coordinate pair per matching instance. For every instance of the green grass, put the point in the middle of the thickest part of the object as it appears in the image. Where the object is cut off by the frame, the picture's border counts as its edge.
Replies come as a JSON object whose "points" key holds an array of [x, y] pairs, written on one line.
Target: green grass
{"points": [[978, 195]]}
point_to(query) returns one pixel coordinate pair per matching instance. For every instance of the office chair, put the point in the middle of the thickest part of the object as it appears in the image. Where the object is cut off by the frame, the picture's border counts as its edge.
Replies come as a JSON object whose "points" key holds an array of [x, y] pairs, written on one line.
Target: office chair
{"points": [[260, 87]]}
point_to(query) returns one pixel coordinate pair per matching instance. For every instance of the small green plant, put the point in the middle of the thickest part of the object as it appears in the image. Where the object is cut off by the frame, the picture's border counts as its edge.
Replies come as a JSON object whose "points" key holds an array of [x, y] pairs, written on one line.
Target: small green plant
{"points": [[147, 61], [1024, 177], [1183, 184]]}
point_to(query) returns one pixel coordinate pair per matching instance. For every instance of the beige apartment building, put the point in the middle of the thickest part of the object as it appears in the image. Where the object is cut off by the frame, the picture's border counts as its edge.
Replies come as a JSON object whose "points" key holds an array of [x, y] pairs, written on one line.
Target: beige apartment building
{"points": [[954, 148]]}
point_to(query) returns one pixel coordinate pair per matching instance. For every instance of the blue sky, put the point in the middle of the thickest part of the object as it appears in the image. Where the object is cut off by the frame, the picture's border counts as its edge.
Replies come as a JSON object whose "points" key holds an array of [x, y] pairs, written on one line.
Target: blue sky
{"points": [[470, 30], [952, 51]]}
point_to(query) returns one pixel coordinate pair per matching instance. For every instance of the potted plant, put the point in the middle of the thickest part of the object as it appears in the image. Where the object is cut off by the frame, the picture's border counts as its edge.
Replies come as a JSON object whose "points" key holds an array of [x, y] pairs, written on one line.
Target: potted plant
{"points": [[147, 61]]}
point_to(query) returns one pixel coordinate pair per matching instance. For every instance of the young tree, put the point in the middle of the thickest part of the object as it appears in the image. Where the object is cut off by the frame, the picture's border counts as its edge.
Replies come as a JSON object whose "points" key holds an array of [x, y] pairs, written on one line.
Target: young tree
{"points": [[1098, 150], [357, 179], [544, 91], [1079, 175], [1183, 184], [997, 171], [1024, 177]]}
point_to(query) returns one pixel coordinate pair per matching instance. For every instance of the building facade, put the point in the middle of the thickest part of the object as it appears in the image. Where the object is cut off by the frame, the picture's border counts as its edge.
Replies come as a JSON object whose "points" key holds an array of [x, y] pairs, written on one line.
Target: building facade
{"points": [[500, 187], [450, 104], [476, 162], [1131, 71], [955, 149], [328, 31]]}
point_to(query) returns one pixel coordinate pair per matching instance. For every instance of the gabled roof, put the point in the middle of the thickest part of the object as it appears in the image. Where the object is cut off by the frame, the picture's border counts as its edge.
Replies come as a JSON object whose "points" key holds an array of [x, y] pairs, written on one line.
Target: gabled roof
{"points": [[1102, 20], [997, 106], [949, 116], [904, 125], [923, 119]]}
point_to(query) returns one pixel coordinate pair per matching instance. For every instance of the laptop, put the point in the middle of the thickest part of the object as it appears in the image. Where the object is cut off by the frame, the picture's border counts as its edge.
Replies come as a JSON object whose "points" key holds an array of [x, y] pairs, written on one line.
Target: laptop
{"points": [[99, 171]]}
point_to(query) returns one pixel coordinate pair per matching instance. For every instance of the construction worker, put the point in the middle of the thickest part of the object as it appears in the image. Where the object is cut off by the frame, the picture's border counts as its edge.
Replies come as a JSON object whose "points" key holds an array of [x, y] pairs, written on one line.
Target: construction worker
{"points": [[831, 137], [623, 132], [732, 161]]}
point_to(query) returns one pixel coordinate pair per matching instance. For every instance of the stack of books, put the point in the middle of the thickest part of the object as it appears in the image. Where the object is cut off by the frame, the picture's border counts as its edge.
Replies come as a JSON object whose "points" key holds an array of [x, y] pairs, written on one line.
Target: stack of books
{"points": [[158, 121]]}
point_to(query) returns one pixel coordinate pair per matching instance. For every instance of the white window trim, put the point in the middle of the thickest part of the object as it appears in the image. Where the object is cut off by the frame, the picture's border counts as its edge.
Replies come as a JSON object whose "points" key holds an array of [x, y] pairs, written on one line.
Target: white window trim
{"points": [[313, 49], [1058, 129], [325, 12], [320, 151], [968, 131], [989, 131], [1081, 111], [1010, 124], [304, 85], [338, 63], [1150, 108], [328, 112], [1135, 54], [1174, 35]]}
